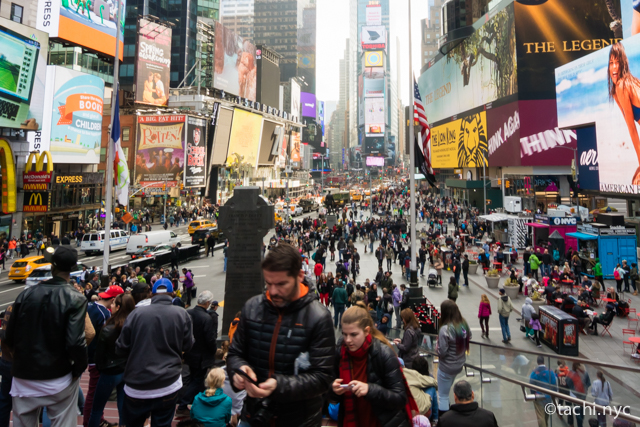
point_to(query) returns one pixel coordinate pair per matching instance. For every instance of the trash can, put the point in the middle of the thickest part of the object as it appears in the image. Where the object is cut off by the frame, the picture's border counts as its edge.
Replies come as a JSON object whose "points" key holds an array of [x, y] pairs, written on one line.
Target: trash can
{"points": [[559, 330]]}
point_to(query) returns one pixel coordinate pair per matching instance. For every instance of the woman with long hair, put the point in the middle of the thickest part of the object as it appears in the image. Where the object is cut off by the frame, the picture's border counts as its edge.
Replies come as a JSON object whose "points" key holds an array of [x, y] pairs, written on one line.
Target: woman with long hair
{"points": [[484, 312], [624, 88], [453, 343], [601, 391], [110, 366], [408, 346], [369, 383]]}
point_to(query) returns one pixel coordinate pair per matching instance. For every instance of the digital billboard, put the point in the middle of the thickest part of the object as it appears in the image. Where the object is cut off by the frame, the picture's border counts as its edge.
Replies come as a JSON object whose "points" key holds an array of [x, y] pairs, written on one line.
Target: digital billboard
{"points": [[503, 134], [23, 69], [374, 58], [153, 64], [601, 89], [308, 102], [90, 24], [296, 156], [195, 171], [374, 146], [295, 100], [375, 161], [374, 87], [160, 150], [73, 116], [373, 14], [321, 115], [245, 138], [374, 37], [374, 116], [460, 143], [235, 64], [479, 70]]}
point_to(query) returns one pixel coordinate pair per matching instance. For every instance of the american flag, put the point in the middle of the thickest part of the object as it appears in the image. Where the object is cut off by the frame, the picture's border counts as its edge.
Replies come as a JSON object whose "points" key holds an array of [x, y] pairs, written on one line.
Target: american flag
{"points": [[423, 154]]}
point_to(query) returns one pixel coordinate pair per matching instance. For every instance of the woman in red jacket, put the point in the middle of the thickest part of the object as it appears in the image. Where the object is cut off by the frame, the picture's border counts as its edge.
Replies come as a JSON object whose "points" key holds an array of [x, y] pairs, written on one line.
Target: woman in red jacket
{"points": [[483, 314]]}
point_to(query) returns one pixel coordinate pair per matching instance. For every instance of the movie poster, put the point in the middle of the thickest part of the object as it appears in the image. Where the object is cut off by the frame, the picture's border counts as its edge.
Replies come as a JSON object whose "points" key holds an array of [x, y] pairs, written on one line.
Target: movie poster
{"points": [[153, 71], [296, 156], [235, 64], [195, 172], [160, 154]]}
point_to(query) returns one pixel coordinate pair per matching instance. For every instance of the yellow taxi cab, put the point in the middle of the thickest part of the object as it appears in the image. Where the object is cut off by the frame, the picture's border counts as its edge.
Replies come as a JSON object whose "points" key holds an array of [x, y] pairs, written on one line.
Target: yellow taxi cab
{"points": [[356, 196], [22, 268], [277, 217], [200, 223]]}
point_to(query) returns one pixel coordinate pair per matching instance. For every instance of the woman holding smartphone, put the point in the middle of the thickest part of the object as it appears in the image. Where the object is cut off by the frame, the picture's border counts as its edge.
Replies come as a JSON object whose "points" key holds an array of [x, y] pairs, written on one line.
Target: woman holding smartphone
{"points": [[369, 383]]}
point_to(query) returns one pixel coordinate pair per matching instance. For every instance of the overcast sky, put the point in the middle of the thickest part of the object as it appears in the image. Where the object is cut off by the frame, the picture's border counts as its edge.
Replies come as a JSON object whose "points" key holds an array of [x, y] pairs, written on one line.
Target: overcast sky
{"points": [[333, 30]]}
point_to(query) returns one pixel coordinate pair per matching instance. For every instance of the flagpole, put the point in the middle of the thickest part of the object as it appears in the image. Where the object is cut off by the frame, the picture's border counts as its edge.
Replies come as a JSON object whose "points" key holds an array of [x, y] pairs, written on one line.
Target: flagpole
{"points": [[110, 155], [412, 166]]}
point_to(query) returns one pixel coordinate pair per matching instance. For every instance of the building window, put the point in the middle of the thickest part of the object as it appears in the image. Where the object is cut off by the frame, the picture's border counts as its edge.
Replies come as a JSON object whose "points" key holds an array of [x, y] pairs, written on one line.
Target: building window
{"points": [[125, 134], [16, 12], [103, 155]]}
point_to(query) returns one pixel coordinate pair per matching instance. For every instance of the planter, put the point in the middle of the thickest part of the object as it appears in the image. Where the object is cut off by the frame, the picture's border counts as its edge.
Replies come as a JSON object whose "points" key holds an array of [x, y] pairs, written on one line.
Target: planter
{"points": [[473, 268], [512, 291], [537, 304], [492, 282]]}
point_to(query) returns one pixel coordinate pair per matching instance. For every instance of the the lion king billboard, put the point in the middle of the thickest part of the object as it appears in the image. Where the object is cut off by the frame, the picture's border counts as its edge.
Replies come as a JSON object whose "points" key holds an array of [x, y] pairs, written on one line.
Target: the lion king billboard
{"points": [[461, 142]]}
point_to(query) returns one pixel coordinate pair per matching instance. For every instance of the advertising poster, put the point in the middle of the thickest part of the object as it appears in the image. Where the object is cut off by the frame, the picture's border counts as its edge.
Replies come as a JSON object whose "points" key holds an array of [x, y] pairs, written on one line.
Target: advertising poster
{"points": [[374, 87], [296, 110], [374, 37], [373, 14], [591, 91], [154, 63], [571, 30], [630, 18], [296, 155], [374, 161], [540, 137], [460, 143], [480, 70], [503, 133], [160, 154], [321, 115], [569, 337], [374, 59], [245, 138], [91, 24], [23, 72], [374, 116], [374, 146], [550, 328], [588, 166], [235, 64], [308, 101], [195, 171], [75, 130], [282, 157]]}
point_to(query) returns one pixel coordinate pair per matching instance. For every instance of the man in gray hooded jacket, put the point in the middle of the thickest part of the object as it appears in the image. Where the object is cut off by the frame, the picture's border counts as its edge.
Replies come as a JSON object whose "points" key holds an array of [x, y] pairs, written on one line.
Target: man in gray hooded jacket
{"points": [[505, 307]]}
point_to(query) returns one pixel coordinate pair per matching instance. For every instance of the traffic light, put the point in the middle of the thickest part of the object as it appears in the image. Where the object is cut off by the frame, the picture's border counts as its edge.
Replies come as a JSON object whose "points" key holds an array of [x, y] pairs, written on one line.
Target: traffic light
{"points": [[181, 186], [164, 187]]}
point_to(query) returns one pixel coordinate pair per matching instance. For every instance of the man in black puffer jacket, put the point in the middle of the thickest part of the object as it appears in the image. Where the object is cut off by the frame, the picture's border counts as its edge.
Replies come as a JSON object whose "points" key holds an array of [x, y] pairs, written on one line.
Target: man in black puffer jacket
{"points": [[465, 412], [276, 329]]}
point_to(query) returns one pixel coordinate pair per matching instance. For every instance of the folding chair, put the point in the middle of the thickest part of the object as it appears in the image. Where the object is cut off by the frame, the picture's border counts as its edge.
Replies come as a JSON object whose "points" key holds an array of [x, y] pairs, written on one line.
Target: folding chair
{"points": [[633, 318], [631, 333], [605, 329]]}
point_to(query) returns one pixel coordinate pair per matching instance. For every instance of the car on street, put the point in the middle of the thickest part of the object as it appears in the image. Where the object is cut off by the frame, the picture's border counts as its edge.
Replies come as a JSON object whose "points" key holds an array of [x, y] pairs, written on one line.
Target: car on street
{"points": [[93, 241], [199, 237], [23, 267], [200, 223], [308, 205], [149, 251], [43, 273], [296, 210]]}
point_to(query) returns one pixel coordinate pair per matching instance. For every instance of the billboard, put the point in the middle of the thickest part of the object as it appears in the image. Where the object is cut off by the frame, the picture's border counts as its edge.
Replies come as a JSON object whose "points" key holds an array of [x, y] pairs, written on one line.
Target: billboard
{"points": [[540, 137], [374, 59], [630, 19], [195, 171], [375, 161], [23, 68], [321, 115], [479, 70], [295, 100], [308, 102], [600, 89], [90, 24], [374, 87], [374, 116], [374, 15], [153, 66], [374, 146], [296, 156], [374, 37], [503, 133], [160, 150], [245, 138], [588, 166], [571, 30], [73, 122], [235, 64], [460, 143]]}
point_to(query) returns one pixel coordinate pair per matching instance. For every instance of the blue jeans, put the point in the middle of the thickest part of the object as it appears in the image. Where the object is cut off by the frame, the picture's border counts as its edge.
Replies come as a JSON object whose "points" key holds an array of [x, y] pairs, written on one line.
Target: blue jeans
{"points": [[445, 382], [504, 324], [457, 276], [338, 309], [105, 386], [161, 410], [527, 269], [422, 263], [225, 264], [5, 388]]}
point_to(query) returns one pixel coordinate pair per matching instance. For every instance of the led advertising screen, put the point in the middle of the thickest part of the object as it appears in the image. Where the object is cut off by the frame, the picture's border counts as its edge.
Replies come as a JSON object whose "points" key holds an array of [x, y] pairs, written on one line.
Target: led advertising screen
{"points": [[90, 24], [503, 133], [374, 146], [295, 100], [374, 37], [460, 143], [160, 154], [374, 116], [74, 108], [153, 65], [479, 70], [235, 64], [601, 89], [374, 59], [23, 68], [374, 87], [321, 115], [195, 171], [308, 102], [373, 15], [296, 155], [245, 138], [375, 161]]}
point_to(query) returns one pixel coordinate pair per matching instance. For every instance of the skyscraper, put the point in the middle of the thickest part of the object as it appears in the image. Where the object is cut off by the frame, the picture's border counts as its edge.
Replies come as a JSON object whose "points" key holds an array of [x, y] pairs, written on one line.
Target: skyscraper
{"points": [[237, 15]]}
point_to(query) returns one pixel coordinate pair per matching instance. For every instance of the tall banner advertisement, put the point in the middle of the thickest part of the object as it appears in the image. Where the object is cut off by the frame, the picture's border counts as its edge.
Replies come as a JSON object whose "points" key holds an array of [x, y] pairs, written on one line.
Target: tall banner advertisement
{"points": [[296, 155], [460, 143], [160, 153], [235, 64], [374, 116], [153, 67], [195, 171]]}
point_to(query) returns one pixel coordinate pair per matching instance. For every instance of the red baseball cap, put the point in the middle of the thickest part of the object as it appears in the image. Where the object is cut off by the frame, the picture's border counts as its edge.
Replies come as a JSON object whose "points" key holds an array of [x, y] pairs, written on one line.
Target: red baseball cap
{"points": [[112, 292]]}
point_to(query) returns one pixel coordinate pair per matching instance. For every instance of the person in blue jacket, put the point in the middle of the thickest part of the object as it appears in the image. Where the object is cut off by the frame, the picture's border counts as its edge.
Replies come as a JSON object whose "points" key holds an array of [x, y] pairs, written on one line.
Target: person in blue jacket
{"points": [[212, 407]]}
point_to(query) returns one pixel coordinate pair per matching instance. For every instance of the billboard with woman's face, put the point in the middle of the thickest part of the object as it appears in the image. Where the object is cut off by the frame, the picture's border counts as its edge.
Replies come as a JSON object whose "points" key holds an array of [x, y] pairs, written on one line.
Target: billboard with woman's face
{"points": [[603, 89], [235, 64], [153, 64]]}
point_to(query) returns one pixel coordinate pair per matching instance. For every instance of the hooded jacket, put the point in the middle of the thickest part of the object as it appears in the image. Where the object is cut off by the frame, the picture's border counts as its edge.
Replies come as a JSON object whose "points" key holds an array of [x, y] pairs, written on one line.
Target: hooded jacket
{"points": [[417, 384], [504, 306], [467, 415], [534, 262], [527, 309], [212, 411]]}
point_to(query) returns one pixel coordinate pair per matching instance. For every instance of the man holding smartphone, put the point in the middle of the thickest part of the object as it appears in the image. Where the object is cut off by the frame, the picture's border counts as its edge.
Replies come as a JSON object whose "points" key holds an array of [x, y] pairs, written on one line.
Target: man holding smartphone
{"points": [[284, 325]]}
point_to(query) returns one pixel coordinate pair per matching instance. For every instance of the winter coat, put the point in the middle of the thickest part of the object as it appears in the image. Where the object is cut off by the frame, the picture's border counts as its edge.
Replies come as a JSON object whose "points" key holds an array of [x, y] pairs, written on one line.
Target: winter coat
{"points": [[212, 411], [534, 262], [467, 415], [484, 309], [389, 253], [452, 293], [450, 361], [417, 384], [527, 309], [384, 327], [505, 307], [408, 348]]}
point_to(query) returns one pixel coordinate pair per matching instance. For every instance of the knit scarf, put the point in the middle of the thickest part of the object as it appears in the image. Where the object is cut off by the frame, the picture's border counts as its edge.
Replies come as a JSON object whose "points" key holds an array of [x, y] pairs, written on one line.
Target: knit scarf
{"points": [[353, 366]]}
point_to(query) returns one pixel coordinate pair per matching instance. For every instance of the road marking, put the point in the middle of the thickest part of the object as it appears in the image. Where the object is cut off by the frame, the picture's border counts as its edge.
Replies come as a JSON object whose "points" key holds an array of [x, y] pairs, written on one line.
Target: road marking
{"points": [[5, 281], [200, 266], [89, 259], [202, 275], [13, 289]]}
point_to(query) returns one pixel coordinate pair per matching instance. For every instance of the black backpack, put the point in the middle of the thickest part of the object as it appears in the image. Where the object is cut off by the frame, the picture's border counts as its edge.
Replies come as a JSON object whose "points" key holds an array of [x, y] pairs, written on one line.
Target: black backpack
{"points": [[349, 289]]}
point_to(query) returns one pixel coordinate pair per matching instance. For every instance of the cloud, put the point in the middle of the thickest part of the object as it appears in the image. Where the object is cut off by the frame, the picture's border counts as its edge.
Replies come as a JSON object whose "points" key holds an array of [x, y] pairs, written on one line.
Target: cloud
{"points": [[592, 76], [563, 85]]}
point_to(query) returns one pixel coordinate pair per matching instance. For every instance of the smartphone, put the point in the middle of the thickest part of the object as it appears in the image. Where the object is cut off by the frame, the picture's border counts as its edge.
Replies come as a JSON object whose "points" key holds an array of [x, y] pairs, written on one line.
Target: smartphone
{"points": [[345, 386], [244, 375]]}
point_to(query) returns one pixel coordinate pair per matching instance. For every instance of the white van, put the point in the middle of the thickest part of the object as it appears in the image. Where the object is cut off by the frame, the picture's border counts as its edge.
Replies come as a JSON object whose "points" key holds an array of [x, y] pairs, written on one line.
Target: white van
{"points": [[151, 238], [93, 241]]}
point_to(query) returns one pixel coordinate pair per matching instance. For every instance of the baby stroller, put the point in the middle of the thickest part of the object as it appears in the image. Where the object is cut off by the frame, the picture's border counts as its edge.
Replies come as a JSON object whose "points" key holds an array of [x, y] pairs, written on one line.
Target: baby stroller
{"points": [[432, 279]]}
